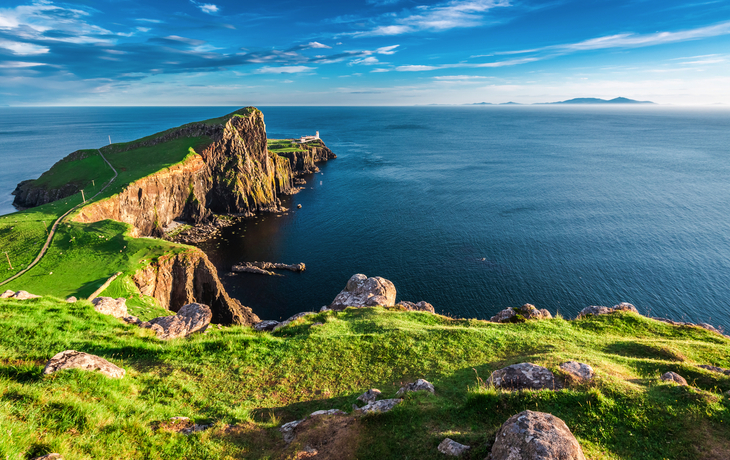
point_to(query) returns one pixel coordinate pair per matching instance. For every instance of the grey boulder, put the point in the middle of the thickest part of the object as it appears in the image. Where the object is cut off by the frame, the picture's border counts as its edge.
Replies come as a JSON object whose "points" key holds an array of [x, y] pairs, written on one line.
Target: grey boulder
{"points": [[598, 310], [378, 407], [580, 371], [191, 318], [418, 385], [287, 321], [674, 377], [535, 435], [369, 396], [266, 325], [287, 430], [452, 448], [362, 291], [523, 376], [715, 369], [72, 359]]}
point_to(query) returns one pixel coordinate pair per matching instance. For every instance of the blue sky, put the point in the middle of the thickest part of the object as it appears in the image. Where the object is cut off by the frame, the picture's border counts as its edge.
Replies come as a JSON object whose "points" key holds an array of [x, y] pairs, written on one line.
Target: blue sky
{"points": [[368, 52]]}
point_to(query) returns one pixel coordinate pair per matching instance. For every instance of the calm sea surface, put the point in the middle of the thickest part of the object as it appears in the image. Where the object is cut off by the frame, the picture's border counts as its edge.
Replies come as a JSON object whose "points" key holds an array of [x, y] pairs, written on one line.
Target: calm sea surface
{"points": [[472, 209]]}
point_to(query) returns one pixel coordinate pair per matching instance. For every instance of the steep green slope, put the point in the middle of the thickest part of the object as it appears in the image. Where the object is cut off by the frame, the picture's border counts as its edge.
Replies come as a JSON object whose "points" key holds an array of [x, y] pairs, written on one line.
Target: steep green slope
{"points": [[247, 384]]}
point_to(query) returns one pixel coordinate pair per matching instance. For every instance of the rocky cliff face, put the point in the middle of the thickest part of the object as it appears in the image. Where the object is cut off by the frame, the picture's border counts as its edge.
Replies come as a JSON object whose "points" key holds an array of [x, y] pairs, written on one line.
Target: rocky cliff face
{"points": [[303, 162], [28, 194], [177, 280]]}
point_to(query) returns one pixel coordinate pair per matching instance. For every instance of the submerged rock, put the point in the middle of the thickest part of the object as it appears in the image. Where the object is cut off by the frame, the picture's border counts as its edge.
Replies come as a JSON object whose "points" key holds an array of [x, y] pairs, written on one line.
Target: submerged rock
{"points": [[535, 435], [452, 448], [72, 359], [523, 376], [191, 318], [362, 291]]}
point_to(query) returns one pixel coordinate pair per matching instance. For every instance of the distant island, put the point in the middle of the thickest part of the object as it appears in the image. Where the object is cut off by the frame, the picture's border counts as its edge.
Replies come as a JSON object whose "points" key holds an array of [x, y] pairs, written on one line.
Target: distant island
{"points": [[577, 100]]}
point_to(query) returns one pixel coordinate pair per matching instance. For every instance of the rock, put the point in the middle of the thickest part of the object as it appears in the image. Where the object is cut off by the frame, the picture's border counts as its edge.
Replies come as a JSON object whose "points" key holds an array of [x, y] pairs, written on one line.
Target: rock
{"points": [[507, 315], [674, 377], [369, 396], [52, 456], [24, 295], [191, 318], [71, 299], [362, 291], [292, 318], [523, 376], [7, 294], [581, 371], [183, 425], [715, 369], [264, 266], [378, 407], [711, 328], [267, 325], [420, 306], [452, 448], [287, 430], [528, 311], [418, 385], [535, 436], [299, 206], [598, 310], [71, 359], [108, 306], [326, 412]]}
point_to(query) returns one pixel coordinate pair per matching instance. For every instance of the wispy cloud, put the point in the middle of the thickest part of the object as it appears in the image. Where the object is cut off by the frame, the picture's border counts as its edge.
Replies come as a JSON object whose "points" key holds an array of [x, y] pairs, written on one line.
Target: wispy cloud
{"points": [[464, 65], [206, 7], [285, 69]]}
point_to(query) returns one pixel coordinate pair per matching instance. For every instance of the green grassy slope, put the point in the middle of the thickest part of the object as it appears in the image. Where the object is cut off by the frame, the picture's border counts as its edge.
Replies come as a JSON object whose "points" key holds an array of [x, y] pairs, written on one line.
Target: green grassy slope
{"points": [[246, 384]]}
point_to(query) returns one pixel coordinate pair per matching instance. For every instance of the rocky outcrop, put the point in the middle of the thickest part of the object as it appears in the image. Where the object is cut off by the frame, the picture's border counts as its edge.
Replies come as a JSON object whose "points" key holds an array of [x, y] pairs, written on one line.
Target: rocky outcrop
{"points": [[420, 306], [71, 359], [264, 268], [521, 314], [523, 376], [599, 310], [362, 291], [191, 318], [535, 435], [179, 279], [304, 161]]}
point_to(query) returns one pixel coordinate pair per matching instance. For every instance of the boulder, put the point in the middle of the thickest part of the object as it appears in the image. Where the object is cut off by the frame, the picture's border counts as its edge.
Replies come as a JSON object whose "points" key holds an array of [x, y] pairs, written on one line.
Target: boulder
{"points": [[418, 385], [7, 294], [715, 369], [535, 435], [71, 299], [369, 396], [362, 291], [523, 376], [420, 306], [292, 318], [452, 448], [71, 359], [580, 371], [109, 306], [378, 407], [674, 377], [528, 311], [287, 430], [508, 315], [191, 318], [598, 310], [267, 325], [24, 295]]}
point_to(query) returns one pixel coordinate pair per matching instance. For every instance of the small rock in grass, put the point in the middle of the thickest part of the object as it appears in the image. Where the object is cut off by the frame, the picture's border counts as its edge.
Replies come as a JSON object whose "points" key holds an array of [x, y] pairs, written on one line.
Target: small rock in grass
{"points": [[109, 306], [266, 325], [287, 430], [191, 318], [72, 359], [24, 295], [418, 385], [327, 412], [581, 371], [452, 448], [71, 299], [523, 376], [369, 396], [7, 294], [378, 407], [674, 377]]}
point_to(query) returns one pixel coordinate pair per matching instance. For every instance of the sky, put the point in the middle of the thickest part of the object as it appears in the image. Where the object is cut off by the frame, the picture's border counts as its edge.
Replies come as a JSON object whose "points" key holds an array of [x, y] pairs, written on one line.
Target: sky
{"points": [[363, 52]]}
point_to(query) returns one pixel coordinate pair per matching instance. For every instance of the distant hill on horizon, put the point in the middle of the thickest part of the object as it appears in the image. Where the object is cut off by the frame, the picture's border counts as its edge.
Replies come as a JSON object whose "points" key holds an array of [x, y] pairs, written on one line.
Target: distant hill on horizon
{"points": [[595, 100]]}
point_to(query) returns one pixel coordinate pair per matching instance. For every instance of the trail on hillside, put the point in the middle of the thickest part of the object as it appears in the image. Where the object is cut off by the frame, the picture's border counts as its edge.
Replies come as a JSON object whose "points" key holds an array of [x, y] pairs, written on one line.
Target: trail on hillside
{"points": [[58, 221]]}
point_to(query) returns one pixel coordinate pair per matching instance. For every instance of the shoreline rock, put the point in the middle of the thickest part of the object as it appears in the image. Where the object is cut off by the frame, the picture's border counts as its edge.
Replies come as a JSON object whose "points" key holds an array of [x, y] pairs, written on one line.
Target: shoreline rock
{"points": [[362, 291]]}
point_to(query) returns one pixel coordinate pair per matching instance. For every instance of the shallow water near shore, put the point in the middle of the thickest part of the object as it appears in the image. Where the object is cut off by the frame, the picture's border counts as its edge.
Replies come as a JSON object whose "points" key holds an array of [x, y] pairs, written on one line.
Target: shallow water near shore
{"points": [[472, 209]]}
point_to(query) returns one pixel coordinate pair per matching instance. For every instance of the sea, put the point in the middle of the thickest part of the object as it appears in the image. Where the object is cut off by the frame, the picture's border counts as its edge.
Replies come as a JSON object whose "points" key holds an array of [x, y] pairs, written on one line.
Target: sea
{"points": [[472, 208]]}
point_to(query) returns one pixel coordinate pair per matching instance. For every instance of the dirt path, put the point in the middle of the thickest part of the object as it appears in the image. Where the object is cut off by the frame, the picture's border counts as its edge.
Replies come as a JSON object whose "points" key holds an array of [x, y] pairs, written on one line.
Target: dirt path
{"points": [[58, 221]]}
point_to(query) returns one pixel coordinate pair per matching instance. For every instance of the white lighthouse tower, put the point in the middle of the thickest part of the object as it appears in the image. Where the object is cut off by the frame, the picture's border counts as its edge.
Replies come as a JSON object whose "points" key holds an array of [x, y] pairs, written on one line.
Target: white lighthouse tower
{"points": [[316, 136]]}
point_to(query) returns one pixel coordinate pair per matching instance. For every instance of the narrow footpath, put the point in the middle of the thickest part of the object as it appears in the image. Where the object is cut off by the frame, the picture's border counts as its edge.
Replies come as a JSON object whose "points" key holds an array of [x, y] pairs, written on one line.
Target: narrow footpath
{"points": [[58, 221]]}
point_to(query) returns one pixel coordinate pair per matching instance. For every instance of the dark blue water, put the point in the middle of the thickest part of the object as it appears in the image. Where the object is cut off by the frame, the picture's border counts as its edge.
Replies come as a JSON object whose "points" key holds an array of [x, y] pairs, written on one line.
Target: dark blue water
{"points": [[472, 209]]}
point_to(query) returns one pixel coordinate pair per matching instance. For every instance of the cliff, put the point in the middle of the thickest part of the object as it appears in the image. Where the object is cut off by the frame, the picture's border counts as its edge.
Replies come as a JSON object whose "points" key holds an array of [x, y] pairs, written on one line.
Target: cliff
{"points": [[177, 280], [303, 161]]}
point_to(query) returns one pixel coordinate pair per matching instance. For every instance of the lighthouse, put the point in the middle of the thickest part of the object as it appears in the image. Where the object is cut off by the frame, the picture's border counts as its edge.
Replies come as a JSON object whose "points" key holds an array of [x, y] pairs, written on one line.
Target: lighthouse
{"points": [[316, 136]]}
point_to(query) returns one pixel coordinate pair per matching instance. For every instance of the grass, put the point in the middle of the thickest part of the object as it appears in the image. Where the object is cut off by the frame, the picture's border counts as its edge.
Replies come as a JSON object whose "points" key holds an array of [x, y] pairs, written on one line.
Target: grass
{"points": [[247, 384], [279, 146]]}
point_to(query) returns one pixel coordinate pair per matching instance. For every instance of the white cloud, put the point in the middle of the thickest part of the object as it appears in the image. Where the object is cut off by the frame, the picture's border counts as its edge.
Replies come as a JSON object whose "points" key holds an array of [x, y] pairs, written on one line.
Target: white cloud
{"points": [[370, 60], [206, 7], [317, 45], [32, 22], [416, 68], [459, 77], [379, 70], [19, 64], [464, 65], [23, 49], [285, 69]]}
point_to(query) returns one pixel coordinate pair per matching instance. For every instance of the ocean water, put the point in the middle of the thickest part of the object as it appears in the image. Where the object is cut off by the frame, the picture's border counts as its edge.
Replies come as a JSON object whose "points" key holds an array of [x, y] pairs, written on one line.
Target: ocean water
{"points": [[472, 209]]}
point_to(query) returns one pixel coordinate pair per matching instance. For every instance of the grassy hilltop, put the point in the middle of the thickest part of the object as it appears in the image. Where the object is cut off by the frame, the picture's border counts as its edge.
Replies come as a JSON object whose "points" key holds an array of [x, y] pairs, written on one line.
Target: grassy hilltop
{"points": [[246, 384]]}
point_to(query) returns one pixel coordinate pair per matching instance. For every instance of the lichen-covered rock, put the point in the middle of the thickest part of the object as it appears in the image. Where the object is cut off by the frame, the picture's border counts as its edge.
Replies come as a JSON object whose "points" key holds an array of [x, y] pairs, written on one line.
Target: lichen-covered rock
{"points": [[287, 430], [24, 295], [72, 359], [109, 306], [523, 376], [420, 306], [452, 448], [191, 318], [362, 291], [508, 315], [418, 385], [369, 396], [674, 377], [715, 369], [535, 436], [580, 371], [598, 310], [377, 407], [266, 325]]}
